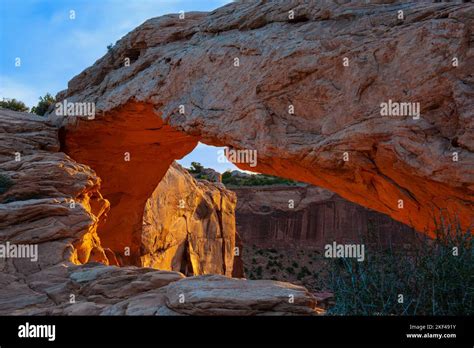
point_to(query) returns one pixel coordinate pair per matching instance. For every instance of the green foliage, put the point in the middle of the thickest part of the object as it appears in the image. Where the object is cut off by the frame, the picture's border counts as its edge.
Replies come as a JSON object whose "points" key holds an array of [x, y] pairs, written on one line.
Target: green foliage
{"points": [[226, 175], [43, 104], [255, 180], [196, 168], [431, 279], [5, 183], [13, 104]]}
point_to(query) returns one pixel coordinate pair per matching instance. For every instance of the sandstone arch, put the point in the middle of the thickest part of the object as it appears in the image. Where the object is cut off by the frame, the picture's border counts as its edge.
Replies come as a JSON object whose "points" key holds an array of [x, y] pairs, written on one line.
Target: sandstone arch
{"points": [[283, 62]]}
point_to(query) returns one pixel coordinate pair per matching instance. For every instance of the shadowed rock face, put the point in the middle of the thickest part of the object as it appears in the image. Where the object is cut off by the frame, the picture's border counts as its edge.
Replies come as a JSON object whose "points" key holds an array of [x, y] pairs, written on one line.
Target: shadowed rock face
{"points": [[309, 217], [189, 226], [281, 62]]}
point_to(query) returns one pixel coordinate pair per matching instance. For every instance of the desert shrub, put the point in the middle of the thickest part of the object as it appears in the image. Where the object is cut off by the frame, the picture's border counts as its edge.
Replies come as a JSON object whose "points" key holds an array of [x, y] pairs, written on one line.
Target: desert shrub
{"points": [[305, 270], [295, 264], [432, 278], [5, 183], [13, 104], [290, 270], [43, 104], [196, 168], [255, 180]]}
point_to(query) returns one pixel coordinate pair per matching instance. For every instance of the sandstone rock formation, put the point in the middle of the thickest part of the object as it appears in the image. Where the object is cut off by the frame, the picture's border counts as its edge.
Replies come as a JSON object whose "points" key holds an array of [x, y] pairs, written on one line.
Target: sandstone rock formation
{"points": [[189, 226], [134, 158], [38, 186], [110, 290], [50, 200], [234, 76], [300, 217], [218, 295], [209, 174]]}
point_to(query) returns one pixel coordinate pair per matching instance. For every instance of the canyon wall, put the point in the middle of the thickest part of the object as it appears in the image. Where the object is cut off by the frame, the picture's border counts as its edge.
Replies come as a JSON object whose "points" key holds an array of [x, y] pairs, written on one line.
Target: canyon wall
{"points": [[189, 226], [300, 217], [301, 83]]}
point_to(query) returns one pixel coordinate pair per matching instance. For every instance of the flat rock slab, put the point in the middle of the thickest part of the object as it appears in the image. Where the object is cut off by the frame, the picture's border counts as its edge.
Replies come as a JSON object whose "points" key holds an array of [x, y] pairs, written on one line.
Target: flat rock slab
{"points": [[218, 295]]}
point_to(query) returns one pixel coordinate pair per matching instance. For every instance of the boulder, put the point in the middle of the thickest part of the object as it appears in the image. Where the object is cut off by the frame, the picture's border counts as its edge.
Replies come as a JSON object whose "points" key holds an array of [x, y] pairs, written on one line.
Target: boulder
{"points": [[218, 295]]}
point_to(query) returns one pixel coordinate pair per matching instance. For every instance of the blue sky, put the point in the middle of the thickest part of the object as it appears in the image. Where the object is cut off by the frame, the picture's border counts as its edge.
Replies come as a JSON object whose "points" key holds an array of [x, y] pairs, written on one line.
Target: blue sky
{"points": [[53, 48]]}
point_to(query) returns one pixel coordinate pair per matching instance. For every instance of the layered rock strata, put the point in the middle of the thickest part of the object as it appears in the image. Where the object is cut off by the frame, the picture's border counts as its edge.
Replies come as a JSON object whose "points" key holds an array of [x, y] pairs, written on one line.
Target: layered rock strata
{"points": [[46, 198]]}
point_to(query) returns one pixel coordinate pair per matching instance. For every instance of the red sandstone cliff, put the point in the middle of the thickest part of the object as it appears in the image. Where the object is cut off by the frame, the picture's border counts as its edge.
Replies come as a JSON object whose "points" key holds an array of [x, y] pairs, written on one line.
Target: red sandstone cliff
{"points": [[309, 217]]}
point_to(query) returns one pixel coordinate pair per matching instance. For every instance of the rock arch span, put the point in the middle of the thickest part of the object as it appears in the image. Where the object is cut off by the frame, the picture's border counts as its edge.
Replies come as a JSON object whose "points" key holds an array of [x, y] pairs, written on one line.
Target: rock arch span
{"points": [[285, 62]]}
